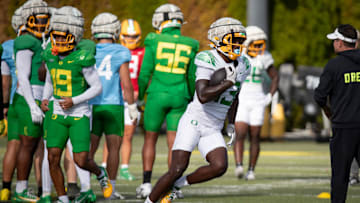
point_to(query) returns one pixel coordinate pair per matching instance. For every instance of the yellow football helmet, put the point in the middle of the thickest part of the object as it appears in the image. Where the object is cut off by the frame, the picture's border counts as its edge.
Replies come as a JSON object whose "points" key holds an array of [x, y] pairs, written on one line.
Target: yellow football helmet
{"points": [[256, 41], [66, 29], [130, 34], [36, 17], [227, 36]]}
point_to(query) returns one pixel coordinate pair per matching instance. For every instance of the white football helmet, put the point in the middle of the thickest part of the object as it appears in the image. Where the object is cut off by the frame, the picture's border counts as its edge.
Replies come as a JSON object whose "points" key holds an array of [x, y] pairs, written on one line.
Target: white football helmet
{"points": [[227, 36], [17, 22], [167, 15], [105, 25], [35, 14], [68, 23], [255, 42]]}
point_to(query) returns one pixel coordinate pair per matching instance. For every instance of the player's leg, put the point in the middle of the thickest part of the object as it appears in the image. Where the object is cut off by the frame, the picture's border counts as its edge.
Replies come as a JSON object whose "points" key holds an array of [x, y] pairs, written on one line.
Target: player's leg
{"points": [[70, 169], [254, 151], [105, 154], [38, 157], [241, 129], [354, 173], [57, 175]]}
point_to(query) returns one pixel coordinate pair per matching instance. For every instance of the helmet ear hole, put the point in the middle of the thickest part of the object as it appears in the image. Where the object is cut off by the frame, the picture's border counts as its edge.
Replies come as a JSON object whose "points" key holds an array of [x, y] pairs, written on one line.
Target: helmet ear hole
{"points": [[31, 21]]}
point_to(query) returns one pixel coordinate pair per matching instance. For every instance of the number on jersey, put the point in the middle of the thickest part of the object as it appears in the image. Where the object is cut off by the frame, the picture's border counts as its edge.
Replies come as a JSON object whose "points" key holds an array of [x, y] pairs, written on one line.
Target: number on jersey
{"points": [[105, 68]]}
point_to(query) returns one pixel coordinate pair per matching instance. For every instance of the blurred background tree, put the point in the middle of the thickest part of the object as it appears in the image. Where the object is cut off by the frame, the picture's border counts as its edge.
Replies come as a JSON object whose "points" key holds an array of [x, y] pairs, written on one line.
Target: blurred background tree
{"points": [[297, 28]]}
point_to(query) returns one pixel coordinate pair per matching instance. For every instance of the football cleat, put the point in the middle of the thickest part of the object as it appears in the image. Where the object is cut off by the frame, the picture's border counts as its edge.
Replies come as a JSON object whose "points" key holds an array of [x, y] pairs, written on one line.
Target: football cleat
{"points": [[116, 196], [239, 171], [143, 190], [72, 191], [250, 175], [87, 197], [354, 181], [126, 175], [227, 36], [5, 194], [105, 184], [25, 196], [169, 196], [44, 199]]}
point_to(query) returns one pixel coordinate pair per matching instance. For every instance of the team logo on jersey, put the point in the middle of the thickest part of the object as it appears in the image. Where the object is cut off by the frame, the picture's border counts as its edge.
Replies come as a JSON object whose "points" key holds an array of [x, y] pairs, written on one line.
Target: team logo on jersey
{"points": [[60, 62], [194, 122], [82, 57], [71, 61], [54, 116]]}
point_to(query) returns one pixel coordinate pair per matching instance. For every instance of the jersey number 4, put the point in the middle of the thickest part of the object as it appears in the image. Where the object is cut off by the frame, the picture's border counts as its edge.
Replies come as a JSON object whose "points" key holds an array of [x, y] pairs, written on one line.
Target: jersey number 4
{"points": [[105, 68], [174, 58]]}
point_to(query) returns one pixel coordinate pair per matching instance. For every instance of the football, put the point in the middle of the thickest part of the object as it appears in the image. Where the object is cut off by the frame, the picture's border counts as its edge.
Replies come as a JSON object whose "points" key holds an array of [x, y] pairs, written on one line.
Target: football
{"points": [[217, 77]]}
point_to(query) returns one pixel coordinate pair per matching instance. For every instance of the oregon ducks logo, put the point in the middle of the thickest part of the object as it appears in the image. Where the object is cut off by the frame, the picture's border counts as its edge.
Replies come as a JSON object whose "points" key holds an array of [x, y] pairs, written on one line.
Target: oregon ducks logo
{"points": [[194, 122], [60, 62], [54, 116]]}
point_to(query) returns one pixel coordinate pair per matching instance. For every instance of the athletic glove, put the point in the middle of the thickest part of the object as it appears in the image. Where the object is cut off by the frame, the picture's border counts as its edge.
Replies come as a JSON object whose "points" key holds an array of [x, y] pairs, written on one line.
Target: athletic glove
{"points": [[133, 112], [230, 74], [268, 99], [2, 126], [230, 130], [36, 114]]}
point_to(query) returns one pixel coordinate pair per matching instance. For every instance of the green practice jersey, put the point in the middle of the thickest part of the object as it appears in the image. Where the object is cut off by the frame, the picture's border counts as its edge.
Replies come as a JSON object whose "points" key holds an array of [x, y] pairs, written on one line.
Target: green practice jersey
{"points": [[86, 44], [33, 44], [169, 62], [66, 74]]}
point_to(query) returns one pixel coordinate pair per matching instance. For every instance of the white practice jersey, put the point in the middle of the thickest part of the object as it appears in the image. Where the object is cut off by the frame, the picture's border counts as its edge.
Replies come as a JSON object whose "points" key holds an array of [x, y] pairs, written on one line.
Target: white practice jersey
{"points": [[214, 112], [254, 83]]}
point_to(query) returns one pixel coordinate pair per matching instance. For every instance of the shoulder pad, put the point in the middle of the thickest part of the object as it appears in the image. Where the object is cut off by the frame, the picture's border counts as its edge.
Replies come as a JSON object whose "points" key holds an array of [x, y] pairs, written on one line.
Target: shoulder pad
{"points": [[27, 42], [86, 44], [149, 38], [84, 58], [205, 58]]}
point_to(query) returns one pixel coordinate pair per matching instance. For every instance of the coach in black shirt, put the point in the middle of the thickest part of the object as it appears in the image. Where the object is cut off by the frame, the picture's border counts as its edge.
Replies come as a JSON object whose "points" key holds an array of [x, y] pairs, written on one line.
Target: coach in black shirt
{"points": [[340, 85]]}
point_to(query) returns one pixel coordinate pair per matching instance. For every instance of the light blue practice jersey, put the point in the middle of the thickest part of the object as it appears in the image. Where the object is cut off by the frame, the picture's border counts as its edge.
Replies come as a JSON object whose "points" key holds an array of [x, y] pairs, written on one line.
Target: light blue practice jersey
{"points": [[109, 58], [7, 56]]}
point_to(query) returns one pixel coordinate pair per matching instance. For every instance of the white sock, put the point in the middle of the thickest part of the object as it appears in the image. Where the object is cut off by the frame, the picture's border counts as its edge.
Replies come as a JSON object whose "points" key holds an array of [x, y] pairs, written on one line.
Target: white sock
{"points": [[124, 166], [64, 198], [181, 182], [148, 200], [113, 183], [45, 172], [103, 164], [21, 185], [84, 175]]}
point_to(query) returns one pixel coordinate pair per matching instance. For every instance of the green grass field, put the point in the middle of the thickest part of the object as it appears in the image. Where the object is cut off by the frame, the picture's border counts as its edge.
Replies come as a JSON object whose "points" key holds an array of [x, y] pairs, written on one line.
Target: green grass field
{"points": [[287, 171]]}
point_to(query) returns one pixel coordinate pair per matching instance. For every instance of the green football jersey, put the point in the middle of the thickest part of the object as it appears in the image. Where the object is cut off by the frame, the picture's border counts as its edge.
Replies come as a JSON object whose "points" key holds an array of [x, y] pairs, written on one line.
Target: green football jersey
{"points": [[169, 62], [66, 74], [33, 44], [86, 44]]}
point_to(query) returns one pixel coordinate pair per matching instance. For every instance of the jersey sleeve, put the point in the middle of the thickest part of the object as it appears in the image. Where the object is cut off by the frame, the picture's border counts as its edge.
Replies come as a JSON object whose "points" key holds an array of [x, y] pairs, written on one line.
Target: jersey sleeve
{"points": [[88, 45], [85, 58], [7, 53], [267, 59], [24, 42], [205, 63]]}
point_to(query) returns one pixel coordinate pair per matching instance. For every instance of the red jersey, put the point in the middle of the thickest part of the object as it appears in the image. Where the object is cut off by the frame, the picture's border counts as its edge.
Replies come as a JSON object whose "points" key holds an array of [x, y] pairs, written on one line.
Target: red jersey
{"points": [[137, 56]]}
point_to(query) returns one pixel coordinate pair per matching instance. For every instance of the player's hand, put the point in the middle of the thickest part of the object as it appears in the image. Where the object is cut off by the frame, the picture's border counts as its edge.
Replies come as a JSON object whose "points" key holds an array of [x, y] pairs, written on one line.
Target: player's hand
{"points": [[230, 74], [230, 130], [66, 103], [268, 99], [133, 112], [36, 114], [140, 105], [45, 105], [2, 126]]}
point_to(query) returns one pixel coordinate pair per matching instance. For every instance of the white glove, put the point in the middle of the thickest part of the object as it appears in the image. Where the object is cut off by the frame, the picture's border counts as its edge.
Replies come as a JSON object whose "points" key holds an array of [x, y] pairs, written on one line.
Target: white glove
{"points": [[268, 99], [133, 112], [230, 74], [230, 130], [36, 114]]}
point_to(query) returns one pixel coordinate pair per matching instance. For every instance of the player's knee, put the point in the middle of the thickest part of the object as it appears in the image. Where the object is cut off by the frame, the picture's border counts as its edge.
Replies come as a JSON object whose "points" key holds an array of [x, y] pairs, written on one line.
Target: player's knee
{"points": [[54, 159], [176, 171], [219, 167]]}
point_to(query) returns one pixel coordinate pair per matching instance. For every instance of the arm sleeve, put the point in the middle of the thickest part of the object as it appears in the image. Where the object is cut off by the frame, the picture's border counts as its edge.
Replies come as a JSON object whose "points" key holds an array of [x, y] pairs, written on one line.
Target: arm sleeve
{"points": [[146, 71], [325, 86], [48, 88], [23, 65], [92, 78], [5, 70], [191, 77]]}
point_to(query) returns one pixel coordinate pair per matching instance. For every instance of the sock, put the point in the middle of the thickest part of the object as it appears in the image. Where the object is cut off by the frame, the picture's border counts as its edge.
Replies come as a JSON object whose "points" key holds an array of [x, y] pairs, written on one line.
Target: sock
{"points": [[46, 181], [113, 183], [102, 174], [251, 168], [148, 200], [124, 166], [239, 164], [181, 182], [39, 191], [21, 185], [147, 176], [103, 164], [7, 185], [64, 198]]}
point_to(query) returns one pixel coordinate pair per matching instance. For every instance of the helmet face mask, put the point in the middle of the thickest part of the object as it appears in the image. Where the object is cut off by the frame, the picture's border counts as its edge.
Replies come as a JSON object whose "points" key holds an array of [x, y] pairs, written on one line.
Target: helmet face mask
{"points": [[256, 41], [130, 34], [256, 47], [38, 24], [36, 17], [227, 36], [62, 41]]}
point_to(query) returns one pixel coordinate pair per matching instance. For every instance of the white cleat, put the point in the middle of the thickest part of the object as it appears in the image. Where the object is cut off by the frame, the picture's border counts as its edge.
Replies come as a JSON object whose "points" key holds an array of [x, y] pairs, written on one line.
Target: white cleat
{"points": [[250, 175], [239, 171], [143, 190]]}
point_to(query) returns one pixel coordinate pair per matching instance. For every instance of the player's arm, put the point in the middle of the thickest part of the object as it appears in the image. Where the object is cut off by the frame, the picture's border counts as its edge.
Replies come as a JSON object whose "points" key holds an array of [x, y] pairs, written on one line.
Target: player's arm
{"points": [[23, 65], [273, 74], [6, 80], [147, 68], [126, 83], [93, 80], [47, 92], [323, 90], [207, 93]]}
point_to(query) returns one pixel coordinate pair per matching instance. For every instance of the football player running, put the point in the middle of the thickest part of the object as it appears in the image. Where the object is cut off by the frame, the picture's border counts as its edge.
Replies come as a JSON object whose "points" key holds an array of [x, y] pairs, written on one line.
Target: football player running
{"points": [[27, 114], [112, 65], [8, 74], [69, 73], [130, 36], [169, 62], [203, 119], [253, 100]]}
